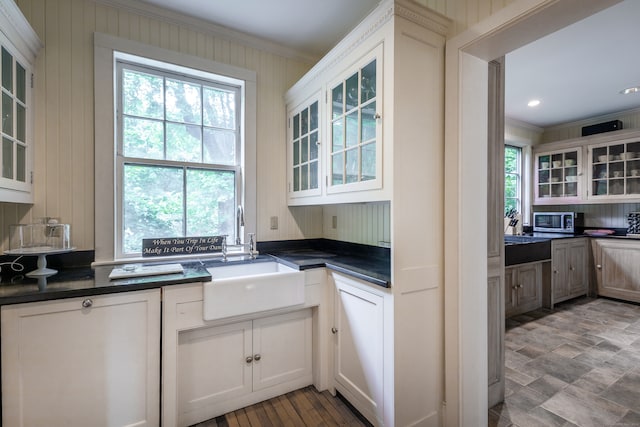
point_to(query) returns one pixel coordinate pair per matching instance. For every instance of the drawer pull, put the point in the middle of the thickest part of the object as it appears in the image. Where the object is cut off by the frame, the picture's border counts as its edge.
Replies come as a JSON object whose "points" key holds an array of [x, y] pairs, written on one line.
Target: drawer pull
{"points": [[87, 303]]}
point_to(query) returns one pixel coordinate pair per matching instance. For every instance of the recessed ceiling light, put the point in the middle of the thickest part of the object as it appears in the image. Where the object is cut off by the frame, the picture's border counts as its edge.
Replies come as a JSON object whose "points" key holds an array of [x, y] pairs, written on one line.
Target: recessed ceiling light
{"points": [[534, 103], [627, 91]]}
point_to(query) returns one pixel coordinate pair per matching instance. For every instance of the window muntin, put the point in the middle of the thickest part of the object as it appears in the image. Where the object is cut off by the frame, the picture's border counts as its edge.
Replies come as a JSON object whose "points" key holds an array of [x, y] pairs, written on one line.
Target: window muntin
{"points": [[13, 110], [512, 178], [178, 155]]}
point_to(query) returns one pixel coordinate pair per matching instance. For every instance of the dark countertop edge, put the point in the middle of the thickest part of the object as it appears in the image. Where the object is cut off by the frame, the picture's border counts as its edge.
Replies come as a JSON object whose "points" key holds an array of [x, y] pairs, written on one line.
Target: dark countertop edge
{"points": [[350, 270]]}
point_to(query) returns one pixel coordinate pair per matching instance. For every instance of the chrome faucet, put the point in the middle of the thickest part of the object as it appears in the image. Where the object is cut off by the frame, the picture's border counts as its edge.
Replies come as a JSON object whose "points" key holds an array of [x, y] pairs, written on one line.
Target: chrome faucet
{"points": [[239, 224]]}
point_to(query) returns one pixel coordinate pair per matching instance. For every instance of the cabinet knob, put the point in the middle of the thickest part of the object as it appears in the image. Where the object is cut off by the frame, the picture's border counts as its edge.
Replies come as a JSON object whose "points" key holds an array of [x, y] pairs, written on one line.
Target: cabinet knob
{"points": [[249, 359], [377, 116], [599, 267], [334, 330], [257, 357], [87, 303], [555, 271]]}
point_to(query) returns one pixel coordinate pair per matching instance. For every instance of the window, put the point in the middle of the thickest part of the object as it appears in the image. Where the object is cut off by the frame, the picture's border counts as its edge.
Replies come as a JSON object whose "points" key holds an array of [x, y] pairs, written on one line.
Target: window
{"points": [[178, 155], [512, 178], [196, 208]]}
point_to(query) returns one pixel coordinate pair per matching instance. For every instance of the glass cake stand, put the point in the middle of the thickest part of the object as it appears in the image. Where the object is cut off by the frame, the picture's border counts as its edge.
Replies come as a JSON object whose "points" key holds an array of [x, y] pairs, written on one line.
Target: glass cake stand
{"points": [[41, 252]]}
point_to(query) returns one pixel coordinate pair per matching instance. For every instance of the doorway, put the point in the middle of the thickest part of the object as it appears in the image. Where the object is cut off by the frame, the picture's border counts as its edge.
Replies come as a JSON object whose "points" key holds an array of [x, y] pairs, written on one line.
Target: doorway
{"points": [[466, 100]]}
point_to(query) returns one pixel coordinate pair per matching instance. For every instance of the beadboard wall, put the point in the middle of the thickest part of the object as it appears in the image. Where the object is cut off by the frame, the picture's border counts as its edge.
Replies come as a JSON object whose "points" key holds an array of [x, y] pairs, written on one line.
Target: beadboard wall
{"points": [[630, 120], [64, 131]]}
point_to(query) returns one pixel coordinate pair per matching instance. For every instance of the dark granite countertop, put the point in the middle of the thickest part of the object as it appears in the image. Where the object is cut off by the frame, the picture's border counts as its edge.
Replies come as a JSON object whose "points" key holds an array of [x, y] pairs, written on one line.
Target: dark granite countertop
{"points": [[78, 281]]}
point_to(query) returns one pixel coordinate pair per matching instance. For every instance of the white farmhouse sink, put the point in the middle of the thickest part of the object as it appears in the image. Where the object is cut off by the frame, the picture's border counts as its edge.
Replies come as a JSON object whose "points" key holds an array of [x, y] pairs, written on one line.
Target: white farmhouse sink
{"points": [[249, 288]]}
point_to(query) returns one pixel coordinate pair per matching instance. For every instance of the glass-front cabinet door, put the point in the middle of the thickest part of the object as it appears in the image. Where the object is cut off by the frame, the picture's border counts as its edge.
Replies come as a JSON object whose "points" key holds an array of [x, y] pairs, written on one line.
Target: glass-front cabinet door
{"points": [[304, 148], [15, 106], [615, 170], [558, 176], [354, 157]]}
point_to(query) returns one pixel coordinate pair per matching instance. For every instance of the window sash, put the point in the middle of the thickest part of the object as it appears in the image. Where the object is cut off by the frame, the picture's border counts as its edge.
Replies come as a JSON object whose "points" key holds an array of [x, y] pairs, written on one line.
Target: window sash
{"points": [[516, 179], [122, 160]]}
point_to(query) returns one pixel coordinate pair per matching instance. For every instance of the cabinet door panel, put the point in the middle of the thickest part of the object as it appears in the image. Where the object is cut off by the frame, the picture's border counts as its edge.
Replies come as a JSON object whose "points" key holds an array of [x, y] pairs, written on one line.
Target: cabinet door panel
{"points": [[282, 345], [560, 267], [618, 269], [359, 354], [578, 282], [63, 364], [510, 292], [529, 291], [212, 365]]}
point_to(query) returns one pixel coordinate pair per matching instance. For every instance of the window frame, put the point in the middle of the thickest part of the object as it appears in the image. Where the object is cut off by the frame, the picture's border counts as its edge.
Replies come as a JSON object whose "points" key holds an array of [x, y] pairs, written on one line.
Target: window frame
{"points": [[107, 49], [519, 177], [143, 65]]}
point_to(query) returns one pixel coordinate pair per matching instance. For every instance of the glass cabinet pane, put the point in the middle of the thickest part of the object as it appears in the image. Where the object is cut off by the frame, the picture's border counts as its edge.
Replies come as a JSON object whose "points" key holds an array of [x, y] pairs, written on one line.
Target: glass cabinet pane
{"points": [[7, 114], [21, 123], [21, 163], [313, 116], [354, 127], [351, 86], [7, 70], [305, 140], [368, 84], [337, 101], [21, 83], [7, 158]]}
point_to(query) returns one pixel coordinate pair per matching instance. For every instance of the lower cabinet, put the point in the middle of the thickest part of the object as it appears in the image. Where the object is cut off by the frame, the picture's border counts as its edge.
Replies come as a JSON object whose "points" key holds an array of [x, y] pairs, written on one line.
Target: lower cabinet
{"points": [[218, 364], [210, 368], [523, 288], [617, 268], [569, 272], [92, 361], [358, 352]]}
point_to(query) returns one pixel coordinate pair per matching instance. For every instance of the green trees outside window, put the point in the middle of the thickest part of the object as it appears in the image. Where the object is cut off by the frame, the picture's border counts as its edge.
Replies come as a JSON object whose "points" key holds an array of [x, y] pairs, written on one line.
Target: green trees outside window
{"points": [[177, 154], [512, 178]]}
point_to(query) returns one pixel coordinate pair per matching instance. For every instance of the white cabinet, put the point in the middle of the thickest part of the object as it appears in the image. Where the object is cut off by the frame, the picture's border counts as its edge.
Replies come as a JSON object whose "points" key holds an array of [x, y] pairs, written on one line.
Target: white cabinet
{"points": [[220, 363], [558, 176], [617, 268], [91, 361], [569, 273], [523, 288], [615, 169], [336, 133], [354, 152], [212, 367], [19, 46], [304, 143], [358, 356]]}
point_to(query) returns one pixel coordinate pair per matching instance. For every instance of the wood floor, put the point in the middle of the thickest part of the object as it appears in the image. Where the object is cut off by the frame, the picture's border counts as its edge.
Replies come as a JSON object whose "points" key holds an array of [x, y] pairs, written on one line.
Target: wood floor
{"points": [[306, 407]]}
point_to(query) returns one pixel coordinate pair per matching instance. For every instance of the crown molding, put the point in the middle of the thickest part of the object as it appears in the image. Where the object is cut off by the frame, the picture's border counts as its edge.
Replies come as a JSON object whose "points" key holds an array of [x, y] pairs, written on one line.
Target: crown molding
{"points": [[219, 31], [18, 30], [386, 11]]}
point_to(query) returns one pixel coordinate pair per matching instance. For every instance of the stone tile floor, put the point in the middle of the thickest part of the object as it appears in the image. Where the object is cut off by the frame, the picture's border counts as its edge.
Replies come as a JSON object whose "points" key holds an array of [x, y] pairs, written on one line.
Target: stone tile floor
{"points": [[576, 365]]}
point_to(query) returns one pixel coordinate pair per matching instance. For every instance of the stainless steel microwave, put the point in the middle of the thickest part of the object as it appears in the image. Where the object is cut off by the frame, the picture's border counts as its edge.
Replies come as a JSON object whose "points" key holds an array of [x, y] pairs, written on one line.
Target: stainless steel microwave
{"points": [[557, 222]]}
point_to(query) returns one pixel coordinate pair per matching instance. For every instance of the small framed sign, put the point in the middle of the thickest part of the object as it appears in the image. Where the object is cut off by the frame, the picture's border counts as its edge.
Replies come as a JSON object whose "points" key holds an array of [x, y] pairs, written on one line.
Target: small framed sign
{"points": [[169, 246]]}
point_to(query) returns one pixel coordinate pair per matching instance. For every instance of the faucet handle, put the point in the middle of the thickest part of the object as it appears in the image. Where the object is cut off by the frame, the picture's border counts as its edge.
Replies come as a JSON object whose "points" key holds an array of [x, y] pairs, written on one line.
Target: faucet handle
{"points": [[252, 245]]}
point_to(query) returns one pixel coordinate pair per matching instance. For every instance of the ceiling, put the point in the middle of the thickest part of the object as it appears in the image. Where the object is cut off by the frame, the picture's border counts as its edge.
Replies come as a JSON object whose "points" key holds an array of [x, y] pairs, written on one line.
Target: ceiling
{"points": [[579, 71], [576, 73], [309, 26]]}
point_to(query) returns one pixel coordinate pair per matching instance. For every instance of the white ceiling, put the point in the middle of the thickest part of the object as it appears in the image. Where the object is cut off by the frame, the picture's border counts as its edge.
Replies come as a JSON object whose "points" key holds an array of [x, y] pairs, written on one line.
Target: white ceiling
{"points": [[579, 71], [310, 26], [576, 72]]}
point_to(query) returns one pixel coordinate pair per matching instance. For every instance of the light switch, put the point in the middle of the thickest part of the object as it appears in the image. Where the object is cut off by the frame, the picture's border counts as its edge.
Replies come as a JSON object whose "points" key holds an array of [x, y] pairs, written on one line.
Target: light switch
{"points": [[334, 222], [274, 223]]}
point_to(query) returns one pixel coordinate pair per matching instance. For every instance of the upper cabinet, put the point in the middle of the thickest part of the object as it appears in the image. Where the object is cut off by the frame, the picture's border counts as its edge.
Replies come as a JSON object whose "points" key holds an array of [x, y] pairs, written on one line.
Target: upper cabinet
{"points": [[610, 171], [366, 95], [355, 152], [303, 148], [615, 169], [557, 175], [19, 45]]}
